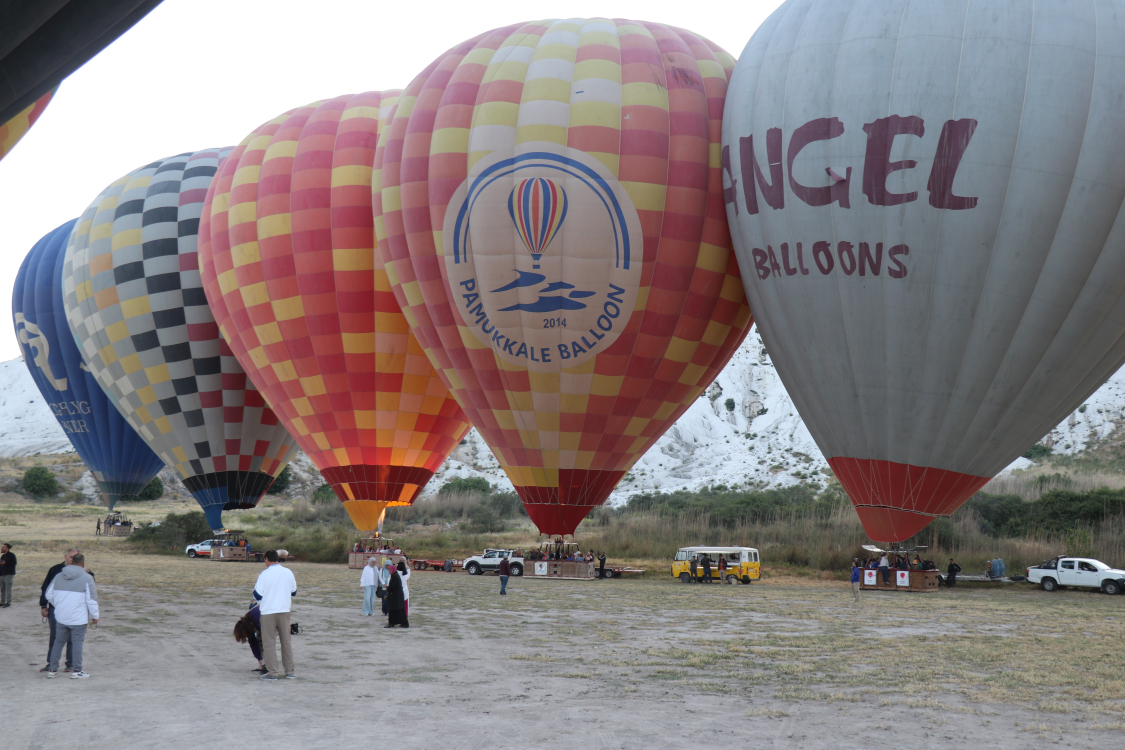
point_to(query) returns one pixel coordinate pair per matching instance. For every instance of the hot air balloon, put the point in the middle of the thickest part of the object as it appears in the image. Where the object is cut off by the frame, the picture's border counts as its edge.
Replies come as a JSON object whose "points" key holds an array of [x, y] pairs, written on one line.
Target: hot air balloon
{"points": [[16, 128], [925, 200], [548, 206], [119, 460], [288, 261], [135, 304]]}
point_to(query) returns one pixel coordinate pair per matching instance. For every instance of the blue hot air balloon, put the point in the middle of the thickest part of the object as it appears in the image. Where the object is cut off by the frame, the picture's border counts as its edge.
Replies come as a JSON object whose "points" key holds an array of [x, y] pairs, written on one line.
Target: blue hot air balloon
{"points": [[121, 462]]}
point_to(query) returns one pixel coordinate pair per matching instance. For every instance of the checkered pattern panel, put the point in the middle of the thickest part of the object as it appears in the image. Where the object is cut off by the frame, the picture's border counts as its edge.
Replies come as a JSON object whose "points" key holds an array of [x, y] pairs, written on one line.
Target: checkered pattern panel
{"points": [[135, 302], [290, 264], [651, 112]]}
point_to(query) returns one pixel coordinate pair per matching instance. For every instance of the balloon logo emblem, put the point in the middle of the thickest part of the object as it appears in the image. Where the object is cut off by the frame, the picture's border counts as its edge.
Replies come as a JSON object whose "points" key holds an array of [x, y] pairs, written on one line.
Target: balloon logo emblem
{"points": [[545, 311], [538, 209]]}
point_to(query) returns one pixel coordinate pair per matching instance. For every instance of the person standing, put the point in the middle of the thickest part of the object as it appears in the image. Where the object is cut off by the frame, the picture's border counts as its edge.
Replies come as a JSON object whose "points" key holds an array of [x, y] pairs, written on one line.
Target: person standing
{"points": [[7, 573], [722, 568], [601, 564], [396, 599], [98, 527], [505, 570], [274, 591], [404, 576], [706, 568], [952, 571], [75, 598], [48, 610], [855, 579], [384, 580], [885, 568], [367, 581], [694, 568]]}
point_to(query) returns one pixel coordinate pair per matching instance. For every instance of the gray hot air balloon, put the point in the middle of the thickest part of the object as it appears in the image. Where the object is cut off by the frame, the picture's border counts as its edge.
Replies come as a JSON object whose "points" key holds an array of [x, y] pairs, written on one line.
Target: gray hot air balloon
{"points": [[135, 303], [926, 203]]}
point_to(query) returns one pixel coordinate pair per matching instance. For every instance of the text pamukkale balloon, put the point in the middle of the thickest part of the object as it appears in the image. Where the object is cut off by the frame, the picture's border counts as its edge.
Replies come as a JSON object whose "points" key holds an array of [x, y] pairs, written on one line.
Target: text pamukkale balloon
{"points": [[288, 260], [548, 206], [135, 304], [120, 462], [926, 202]]}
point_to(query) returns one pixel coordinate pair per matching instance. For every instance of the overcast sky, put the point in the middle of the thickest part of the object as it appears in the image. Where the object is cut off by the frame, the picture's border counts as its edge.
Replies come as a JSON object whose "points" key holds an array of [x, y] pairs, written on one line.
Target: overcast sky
{"points": [[201, 73]]}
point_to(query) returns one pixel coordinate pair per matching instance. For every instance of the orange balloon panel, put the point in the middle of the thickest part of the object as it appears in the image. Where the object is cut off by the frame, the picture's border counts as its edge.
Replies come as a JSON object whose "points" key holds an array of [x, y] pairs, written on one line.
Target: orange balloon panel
{"points": [[291, 270], [549, 207]]}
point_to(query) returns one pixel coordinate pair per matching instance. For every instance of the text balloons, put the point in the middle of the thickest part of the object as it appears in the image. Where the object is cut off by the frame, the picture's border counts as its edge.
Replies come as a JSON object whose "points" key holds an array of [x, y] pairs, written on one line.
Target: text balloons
{"points": [[288, 260], [925, 200], [135, 303], [119, 460], [572, 341]]}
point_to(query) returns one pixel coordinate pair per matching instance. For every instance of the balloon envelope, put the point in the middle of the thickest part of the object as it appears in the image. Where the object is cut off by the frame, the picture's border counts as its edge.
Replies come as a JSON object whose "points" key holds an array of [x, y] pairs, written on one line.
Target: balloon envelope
{"points": [[119, 460], [135, 303], [16, 128], [925, 199], [288, 260], [549, 208]]}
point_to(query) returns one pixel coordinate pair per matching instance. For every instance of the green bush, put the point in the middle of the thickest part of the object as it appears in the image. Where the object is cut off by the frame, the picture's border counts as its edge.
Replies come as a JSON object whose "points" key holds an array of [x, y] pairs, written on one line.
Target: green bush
{"points": [[152, 491], [483, 520], [173, 533], [39, 481], [1036, 452], [466, 484], [729, 403], [284, 479], [325, 495]]}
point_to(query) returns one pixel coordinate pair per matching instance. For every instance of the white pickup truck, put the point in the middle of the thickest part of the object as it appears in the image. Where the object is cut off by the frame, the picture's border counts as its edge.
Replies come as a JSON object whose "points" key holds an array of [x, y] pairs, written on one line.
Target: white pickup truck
{"points": [[1081, 572], [489, 561]]}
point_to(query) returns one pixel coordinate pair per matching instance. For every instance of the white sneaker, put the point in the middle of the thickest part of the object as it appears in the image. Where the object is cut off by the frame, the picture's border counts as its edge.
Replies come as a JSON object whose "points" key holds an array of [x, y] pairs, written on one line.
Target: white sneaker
{"points": [[52, 675], [79, 675]]}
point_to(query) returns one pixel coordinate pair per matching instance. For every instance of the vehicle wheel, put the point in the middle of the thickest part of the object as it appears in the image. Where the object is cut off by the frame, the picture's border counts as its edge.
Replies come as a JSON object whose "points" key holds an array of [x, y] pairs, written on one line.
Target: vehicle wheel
{"points": [[191, 553], [1112, 588], [1049, 584], [732, 579], [473, 569], [419, 565], [746, 580], [516, 569], [597, 573], [608, 573], [685, 578]]}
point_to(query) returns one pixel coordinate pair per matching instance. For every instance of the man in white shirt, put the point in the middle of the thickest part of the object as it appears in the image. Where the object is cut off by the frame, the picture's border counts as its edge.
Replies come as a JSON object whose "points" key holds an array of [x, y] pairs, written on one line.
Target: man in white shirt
{"points": [[274, 591], [885, 568]]}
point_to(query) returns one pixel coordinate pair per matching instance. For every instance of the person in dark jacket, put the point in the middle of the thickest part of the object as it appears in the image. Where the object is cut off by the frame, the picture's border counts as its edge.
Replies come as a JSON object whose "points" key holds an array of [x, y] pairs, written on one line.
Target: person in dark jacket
{"points": [[952, 571], [706, 568], [396, 601], [601, 564], [694, 568], [505, 571], [855, 579], [248, 630], [7, 573], [48, 610]]}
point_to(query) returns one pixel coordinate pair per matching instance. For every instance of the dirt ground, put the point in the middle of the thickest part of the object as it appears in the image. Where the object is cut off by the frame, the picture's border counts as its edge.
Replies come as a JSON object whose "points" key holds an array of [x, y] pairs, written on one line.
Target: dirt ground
{"points": [[617, 664]]}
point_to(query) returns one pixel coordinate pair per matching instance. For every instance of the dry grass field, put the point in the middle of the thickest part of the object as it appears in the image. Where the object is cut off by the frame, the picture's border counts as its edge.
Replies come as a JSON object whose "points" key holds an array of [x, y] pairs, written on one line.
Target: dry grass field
{"points": [[651, 663]]}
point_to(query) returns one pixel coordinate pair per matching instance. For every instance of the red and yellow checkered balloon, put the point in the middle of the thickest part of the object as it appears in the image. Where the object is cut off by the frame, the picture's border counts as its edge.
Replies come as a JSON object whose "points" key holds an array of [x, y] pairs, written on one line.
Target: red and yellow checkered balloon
{"points": [[290, 269], [16, 128], [572, 341]]}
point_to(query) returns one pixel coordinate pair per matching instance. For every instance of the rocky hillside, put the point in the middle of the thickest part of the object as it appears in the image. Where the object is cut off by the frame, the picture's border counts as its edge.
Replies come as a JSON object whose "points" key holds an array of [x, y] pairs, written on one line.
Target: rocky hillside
{"points": [[743, 431]]}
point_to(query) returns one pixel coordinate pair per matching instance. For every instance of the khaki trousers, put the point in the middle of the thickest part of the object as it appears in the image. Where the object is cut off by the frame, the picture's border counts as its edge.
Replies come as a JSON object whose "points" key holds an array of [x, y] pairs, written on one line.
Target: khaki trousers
{"points": [[277, 626]]}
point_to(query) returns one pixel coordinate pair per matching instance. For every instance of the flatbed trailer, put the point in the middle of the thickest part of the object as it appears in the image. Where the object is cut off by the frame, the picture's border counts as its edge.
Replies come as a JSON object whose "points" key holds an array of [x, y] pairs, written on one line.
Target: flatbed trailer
{"points": [[437, 564], [616, 571]]}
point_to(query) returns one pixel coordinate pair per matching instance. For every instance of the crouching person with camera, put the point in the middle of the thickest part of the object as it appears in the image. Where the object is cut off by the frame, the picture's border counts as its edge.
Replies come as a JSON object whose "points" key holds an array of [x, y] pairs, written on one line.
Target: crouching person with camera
{"points": [[274, 591], [74, 597]]}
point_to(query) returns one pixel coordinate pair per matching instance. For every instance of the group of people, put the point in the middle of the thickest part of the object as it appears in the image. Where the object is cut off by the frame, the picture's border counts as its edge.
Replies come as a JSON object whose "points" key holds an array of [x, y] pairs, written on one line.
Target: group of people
{"points": [[103, 527], [391, 584], [562, 556], [268, 620], [702, 565], [885, 563], [383, 548]]}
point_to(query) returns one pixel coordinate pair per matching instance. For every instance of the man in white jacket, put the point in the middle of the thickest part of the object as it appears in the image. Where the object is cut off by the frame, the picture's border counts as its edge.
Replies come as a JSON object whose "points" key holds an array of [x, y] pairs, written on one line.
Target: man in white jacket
{"points": [[367, 581], [74, 595], [274, 591]]}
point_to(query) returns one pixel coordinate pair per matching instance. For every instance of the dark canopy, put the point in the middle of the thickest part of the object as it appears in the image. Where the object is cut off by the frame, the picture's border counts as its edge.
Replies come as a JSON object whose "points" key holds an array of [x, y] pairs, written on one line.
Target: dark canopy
{"points": [[44, 41]]}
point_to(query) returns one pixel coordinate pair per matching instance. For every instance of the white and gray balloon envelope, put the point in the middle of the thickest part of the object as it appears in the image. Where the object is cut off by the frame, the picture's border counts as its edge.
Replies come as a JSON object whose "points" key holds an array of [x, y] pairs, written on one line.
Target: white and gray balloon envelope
{"points": [[926, 204]]}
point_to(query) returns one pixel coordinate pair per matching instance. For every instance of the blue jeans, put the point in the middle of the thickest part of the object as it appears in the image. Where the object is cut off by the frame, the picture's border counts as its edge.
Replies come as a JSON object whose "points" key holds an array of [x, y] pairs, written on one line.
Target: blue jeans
{"points": [[76, 635], [886, 575], [503, 584], [369, 600]]}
